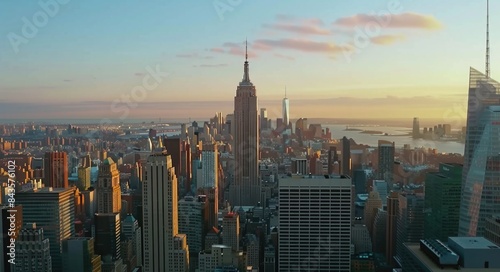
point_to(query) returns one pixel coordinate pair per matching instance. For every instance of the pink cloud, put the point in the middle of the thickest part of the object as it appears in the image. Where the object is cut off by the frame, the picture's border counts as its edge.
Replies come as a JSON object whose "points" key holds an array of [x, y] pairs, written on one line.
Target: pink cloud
{"points": [[403, 20], [299, 29], [387, 39], [303, 45]]}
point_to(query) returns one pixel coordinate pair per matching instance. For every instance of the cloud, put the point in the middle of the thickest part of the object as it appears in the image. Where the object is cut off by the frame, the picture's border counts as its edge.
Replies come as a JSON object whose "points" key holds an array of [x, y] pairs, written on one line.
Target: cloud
{"points": [[387, 39], [193, 56], [303, 45], [283, 56], [213, 65], [68, 80], [139, 74], [403, 20], [232, 48]]}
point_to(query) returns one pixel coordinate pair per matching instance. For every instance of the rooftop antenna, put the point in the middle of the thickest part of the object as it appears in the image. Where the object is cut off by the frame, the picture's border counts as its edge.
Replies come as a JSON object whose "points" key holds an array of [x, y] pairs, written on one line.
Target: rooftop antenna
{"points": [[246, 50], [487, 39]]}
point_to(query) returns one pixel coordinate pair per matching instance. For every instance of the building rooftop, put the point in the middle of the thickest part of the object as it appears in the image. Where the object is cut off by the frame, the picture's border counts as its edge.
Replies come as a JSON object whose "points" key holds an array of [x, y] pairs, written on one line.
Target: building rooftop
{"points": [[473, 242], [414, 249]]}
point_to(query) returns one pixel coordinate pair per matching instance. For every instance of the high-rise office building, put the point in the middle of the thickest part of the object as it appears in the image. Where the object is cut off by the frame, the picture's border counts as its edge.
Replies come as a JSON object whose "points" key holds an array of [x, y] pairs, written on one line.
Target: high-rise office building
{"points": [[332, 158], [322, 221], [392, 226], [162, 243], [253, 252], [53, 210], [191, 221], [55, 170], [32, 250], [442, 202], [208, 175], [83, 178], [361, 238], [10, 226], [492, 229], [132, 231], [78, 255], [210, 196], [108, 236], [373, 203], [416, 128], [386, 162], [346, 157], [231, 230], [286, 110], [263, 119], [410, 222], [245, 190], [481, 173], [108, 188], [379, 240]]}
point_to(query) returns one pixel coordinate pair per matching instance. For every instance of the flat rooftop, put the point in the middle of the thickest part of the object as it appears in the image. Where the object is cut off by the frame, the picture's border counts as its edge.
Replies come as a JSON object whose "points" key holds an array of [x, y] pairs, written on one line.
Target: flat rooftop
{"points": [[430, 265], [473, 242]]}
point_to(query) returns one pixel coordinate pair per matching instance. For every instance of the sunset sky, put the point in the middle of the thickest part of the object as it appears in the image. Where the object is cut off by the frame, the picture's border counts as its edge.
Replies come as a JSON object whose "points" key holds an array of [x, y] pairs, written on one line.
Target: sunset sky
{"points": [[87, 55]]}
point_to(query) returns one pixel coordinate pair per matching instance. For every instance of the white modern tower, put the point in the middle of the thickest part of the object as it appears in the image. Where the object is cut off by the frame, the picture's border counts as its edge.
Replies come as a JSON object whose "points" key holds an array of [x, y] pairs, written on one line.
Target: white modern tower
{"points": [[286, 110]]}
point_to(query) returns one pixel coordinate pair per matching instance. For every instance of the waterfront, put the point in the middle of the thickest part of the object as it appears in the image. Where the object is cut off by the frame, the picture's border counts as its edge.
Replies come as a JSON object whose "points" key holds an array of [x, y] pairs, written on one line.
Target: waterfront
{"points": [[399, 135]]}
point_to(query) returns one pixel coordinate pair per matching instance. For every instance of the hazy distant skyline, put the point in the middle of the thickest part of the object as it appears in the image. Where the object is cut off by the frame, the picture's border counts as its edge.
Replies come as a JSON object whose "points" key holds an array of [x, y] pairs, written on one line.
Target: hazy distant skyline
{"points": [[91, 53]]}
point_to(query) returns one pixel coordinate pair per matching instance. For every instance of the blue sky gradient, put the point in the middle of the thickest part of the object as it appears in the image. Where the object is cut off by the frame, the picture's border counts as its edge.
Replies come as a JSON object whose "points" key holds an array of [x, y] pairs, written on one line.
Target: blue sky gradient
{"points": [[97, 51]]}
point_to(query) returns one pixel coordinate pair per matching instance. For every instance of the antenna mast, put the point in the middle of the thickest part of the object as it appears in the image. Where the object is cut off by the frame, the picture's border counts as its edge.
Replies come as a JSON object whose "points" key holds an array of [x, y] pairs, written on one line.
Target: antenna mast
{"points": [[488, 39]]}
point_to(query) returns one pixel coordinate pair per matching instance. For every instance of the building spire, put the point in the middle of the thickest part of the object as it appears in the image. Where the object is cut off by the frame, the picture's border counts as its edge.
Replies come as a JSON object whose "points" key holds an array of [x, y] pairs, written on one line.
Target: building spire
{"points": [[285, 91], [246, 75], [487, 39]]}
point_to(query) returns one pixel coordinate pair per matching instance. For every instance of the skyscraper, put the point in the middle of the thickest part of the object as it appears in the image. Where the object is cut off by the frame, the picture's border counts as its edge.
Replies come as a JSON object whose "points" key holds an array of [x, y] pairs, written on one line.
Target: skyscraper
{"points": [[315, 235], [231, 230], [386, 162], [391, 230], [286, 110], [191, 221], [346, 157], [245, 189], [108, 188], [416, 128], [208, 176], [410, 222], [480, 198], [78, 255], [55, 170], [53, 209], [480, 175], [33, 250], [162, 242], [442, 202]]}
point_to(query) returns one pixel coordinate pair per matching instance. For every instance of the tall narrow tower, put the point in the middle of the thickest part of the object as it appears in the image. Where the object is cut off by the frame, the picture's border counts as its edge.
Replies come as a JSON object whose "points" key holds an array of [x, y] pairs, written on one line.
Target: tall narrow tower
{"points": [[487, 39], [286, 110], [245, 189]]}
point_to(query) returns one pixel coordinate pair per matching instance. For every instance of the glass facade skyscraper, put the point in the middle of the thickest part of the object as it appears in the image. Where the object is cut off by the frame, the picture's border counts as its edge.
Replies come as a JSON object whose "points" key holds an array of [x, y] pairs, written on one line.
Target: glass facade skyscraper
{"points": [[442, 202], [481, 172]]}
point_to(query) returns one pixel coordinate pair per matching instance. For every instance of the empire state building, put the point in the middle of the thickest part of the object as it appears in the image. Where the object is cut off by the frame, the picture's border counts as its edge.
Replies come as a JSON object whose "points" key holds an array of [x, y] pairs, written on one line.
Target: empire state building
{"points": [[245, 190]]}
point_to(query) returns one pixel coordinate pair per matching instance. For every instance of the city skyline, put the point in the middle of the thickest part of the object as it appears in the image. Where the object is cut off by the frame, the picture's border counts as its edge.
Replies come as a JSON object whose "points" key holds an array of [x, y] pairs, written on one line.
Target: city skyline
{"points": [[311, 51]]}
